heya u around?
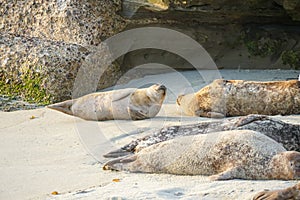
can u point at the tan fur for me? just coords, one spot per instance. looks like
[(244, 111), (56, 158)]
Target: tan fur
[(238, 98), (292, 193), (224, 155), (128, 103)]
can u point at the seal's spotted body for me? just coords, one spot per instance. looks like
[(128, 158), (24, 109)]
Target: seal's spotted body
[(284, 133), (242, 154), (237, 98)]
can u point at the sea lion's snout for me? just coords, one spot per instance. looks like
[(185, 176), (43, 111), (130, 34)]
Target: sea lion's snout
[(162, 87), (159, 87)]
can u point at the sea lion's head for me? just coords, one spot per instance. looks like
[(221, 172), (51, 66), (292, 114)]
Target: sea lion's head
[(286, 165), (146, 102), (187, 103), (157, 93)]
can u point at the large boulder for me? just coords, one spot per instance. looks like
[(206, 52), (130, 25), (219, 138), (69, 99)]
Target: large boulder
[(45, 71), (44, 43), (47, 46)]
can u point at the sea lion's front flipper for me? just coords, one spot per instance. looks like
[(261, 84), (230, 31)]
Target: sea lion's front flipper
[(270, 195), (287, 193), (216, 115), (64, 107), (117, 153), (249, 119), (119, 164), (122, 94), (137, 114), (230, 173)]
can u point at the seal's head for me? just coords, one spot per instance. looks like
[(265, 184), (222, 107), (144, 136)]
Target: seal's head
[(157, 92), (146, 102), (286, 165), (186, 102)]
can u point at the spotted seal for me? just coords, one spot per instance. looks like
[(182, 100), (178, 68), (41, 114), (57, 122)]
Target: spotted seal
[(287, 134), (241, 154), (292, 193), (130, 103), (238, 98)]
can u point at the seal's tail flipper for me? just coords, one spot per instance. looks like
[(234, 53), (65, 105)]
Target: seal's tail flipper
[(117, 153), (64, 107)]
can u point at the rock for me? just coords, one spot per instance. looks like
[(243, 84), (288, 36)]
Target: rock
[(53, 39), (293, 8), (48, 41), (87, 22), (52, 66)]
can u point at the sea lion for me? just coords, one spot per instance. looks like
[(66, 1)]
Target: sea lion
[(224, 98), (238, 154), (284, 133), (131, 103), (292, 193)]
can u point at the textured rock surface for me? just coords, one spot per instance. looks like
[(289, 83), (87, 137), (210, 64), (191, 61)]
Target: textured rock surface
[(56, 62), (52, 39), (84, 22)]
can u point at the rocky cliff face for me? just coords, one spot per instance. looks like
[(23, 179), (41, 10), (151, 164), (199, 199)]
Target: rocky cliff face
[(237, 34), (43, 44)]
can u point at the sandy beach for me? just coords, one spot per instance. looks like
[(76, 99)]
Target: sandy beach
[(45, 151)]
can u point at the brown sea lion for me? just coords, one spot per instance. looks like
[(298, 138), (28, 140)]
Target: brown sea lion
[(237, 98), (238, 154), (284, 133), (131, 103), (290, 193)]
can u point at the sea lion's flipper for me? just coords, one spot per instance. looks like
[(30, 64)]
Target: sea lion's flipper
[(137, 114), (119, 163), (266, 195), (249, 119), (122, 94), (64, 107), (216, 115), (287, 193), (230, 173), (117, 153)]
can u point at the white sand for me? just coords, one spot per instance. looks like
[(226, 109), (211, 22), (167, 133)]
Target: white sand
[(57, 152)]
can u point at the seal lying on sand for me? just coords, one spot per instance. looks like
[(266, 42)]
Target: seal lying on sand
[(284, 133), (128, 103), (237, 98), (292, 193), (241, 154)]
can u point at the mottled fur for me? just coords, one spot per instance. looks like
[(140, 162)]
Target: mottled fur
[(237, 98), (242, 154), (290, 193), (284, 133)]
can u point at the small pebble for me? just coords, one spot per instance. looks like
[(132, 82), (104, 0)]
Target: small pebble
[(116, 180), (54, 193)]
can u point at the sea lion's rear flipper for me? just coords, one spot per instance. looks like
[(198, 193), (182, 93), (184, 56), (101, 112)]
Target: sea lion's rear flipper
[(119, 163), (64, 107), (117, 153)]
